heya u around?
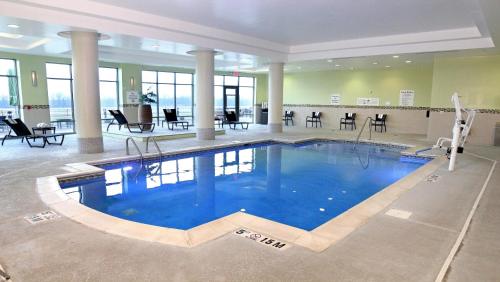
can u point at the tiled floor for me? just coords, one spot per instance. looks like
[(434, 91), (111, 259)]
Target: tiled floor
[(386, 248)]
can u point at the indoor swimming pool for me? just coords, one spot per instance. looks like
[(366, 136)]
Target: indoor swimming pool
[(302, 185)]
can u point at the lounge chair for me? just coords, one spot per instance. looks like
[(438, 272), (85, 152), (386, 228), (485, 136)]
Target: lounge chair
[(232, 119), (349, 119), (288, 117), (314, 119), (121, 120), (22, 132), (379, 121), (171, 119)]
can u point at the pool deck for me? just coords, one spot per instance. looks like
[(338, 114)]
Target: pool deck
[(385, 248)]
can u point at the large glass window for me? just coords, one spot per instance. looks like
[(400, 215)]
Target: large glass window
[(246, 87), (9, 90), (108, 89), (174, 90), (60, 90)]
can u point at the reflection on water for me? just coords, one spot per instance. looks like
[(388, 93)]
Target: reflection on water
[(303, 186)]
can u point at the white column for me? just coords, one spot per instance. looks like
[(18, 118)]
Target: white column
[(275, 100), (204, 94), (86, 91)]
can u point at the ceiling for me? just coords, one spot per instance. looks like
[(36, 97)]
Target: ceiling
[(307, 35), (293, 22)]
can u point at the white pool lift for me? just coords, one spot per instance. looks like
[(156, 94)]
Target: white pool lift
[(461, 129)]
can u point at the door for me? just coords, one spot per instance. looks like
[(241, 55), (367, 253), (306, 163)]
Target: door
[(232, 99)]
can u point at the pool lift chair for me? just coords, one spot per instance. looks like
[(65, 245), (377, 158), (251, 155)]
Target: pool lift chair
[(460, 132)]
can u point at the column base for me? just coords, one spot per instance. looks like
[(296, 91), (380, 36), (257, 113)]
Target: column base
[(90, 145), (205, 133), (275, 127)]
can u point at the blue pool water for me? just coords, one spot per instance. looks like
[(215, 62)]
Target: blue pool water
[(301, 185)]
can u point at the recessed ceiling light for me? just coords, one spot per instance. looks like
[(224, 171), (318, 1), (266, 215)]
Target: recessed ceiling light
[(13, 26), (408, 62), (375, 63), (330, 61), (387, 66), (395, 56), (155, 46), (10, 35), (337, 65), (299, 67)]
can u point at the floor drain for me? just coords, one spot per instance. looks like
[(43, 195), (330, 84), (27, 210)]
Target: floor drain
[(41, 217), (399, 213)]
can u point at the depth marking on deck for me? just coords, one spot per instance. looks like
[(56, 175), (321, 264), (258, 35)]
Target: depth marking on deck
[(398, 213), (41, 217), (262, 239)]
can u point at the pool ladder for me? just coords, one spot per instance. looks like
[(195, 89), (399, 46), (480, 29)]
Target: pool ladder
[(150, 138), (361, 131)]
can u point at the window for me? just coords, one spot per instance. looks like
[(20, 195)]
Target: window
[(108, 90), (9, 90), (174, 90), (60, 90), (246, 87)]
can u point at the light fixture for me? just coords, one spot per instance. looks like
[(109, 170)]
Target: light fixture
[(330, 61), (375, 63), (337, 65), (395, 56), (408, 62), (156, 46), (243, 210), (387, 66), (10, 35), (13, 26), (34, 79), (132, 82), (321, 209), (329, 199), (299, 67)]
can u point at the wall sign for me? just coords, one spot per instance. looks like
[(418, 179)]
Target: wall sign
[(262, 239), (368, 101), (335, 99), (406, 98), (132, 97)]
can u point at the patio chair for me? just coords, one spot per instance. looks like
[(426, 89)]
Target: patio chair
[(288, 116), (232, 119), (22, 132), (121, 120), (349, 119), (379, 121), (314, 119), (171, 119)]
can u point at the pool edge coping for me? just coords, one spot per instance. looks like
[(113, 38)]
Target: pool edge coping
[(316, 240)]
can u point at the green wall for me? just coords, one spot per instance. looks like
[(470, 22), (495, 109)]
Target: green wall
[(317, 87), (476, 79)]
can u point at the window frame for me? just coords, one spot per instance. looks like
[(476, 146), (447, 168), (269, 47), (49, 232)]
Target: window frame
[(157, 83), (70, 79), (16, 76)]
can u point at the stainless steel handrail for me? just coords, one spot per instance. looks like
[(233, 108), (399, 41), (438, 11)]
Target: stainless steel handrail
[(136, 147), (361, 131), (154, 143)]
